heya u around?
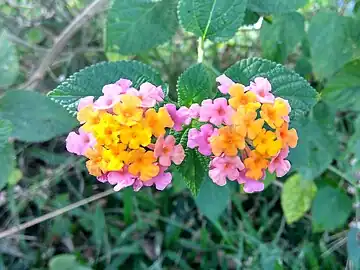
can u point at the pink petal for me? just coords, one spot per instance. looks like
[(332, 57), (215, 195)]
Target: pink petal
[(252, 186), (106, 102), (112, 90), (83, 102), (165, 160), (138, 184), (102, 178), (193, 138), (178, 154), (225, 83), (124, 84), (206, 110), (194, 111), (217, 176)]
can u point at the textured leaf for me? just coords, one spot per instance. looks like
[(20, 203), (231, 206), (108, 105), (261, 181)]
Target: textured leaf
[(353, 246), (9, 67), (331, 209), (275, 6), (335, 36), (280, 38), (98, 227), (66, 262), (196, 84), (7, 163), (285, 83), (90, 81), (5, 131), (343, 89), (296, 197), (318, 143), (135, 25), (213, 19), (212, 199), (303, 67), (250, 17), (34, 117)]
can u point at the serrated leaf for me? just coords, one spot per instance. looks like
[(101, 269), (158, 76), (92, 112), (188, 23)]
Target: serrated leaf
[(214, 20), (7, 163), (66, 262), (353, 246), (34, 117), (343, 89), (280, 38), (296, 197), (318, 142), (331, 209), (196, 84), (335, 36), (9, 67), (90, 81), (285, 83), (5, 131), (276, 6), (212, 199), (250, 18), (135, 26)]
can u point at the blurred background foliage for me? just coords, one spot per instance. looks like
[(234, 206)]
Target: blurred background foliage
[(311, 220)]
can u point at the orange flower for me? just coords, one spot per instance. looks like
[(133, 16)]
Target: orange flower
[(158, 121), (128, 111), (241, 99), (255, 164), (142, 164), (274, 114), (266, 143), (227, 141), (246, 123), (287, 136)]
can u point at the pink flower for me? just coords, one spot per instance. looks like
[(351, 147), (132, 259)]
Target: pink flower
[(216, 113), (201, 138), (262, 88), (148, 93), (225, 167), (86, 101), (161, 181), (138, 184), (124, 84), (120, 179), (279, 165), (79, 143), (225, 83), (180, 117), (106, 102), (250, 185), (167, 151), (103, 178), (194, 111)]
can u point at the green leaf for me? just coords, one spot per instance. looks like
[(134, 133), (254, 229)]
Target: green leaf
[(275, 6), (34, 117), (90, 81), (135, 25), (296, 197), (196, 84), (250, 17), (99, 227), (331, 209), (215, 19), (353, 246), (335, 36), (343, 89), (212, 199), (9, 67), (318, 143), (285, 83), (280, 38), (303, 67), (5, 131), (66, 262), (7, 163)]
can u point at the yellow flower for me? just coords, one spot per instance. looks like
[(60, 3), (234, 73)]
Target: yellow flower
[(240, 98), (142, 164), (128, 111), (158, 121), (135, 136), (255, 164), (245, 123), (89, 116), (274, 114), (94, 163), (227, 141), (266, 143), (107, 131)]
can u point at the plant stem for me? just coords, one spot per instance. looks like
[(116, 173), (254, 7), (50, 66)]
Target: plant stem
[(200, 50)]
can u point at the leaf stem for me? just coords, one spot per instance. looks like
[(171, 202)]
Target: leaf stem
[(200, 50), (348, 178)]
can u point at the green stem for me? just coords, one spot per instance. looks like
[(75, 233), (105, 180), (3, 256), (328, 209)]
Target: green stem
[(342, 175), (200, 50)]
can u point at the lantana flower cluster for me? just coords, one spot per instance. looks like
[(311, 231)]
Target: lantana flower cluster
[(125, 138), (246, 132)]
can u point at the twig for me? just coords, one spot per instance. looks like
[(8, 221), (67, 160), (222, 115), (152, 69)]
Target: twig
[(61, 41), (56, 213)]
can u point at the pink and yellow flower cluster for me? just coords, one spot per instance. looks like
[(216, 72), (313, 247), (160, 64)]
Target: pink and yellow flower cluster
[(125, 138), (244, 134)]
